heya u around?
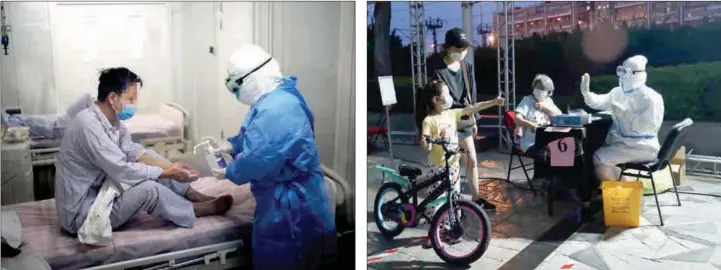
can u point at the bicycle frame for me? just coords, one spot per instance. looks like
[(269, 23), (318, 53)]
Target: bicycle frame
[(435, 197)]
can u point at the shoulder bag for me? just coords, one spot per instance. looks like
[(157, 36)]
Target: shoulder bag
[(466, 121)]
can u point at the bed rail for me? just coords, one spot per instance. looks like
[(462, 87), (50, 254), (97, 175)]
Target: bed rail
[(347, 191), (43, 156), (186, 120), (173, 145), (178, 107), (171, 260)]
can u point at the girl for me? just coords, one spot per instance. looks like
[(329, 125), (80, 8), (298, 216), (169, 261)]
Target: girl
[(435, 119)]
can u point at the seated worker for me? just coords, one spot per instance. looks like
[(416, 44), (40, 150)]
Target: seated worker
[(96, 148), (48, 126), (533, 111), (637, 112)]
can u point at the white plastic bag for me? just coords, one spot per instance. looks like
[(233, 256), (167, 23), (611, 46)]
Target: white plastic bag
[(96, 229), (661, 178)]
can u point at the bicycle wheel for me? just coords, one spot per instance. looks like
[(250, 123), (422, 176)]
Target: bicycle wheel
[(448, 242), (390, 228)]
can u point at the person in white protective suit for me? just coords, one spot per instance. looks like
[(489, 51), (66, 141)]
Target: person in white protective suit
[(637, 112)]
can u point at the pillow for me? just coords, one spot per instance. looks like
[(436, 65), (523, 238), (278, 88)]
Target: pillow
[(10, 230)]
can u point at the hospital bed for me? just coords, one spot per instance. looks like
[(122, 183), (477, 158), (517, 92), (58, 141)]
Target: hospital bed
[(165, 130), (215, 242)]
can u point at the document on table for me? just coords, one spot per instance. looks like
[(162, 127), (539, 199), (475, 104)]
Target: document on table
[(558, 129)]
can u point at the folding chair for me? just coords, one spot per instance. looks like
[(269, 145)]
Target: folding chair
[(510, 121), (670, 145), (378, 132)]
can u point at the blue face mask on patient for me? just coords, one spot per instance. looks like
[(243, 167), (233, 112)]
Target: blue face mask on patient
[(127, 112)]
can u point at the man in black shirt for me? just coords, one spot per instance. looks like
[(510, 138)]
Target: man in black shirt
[(458, 74)]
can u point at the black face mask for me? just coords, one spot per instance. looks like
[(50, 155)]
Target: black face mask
[(239, 81)]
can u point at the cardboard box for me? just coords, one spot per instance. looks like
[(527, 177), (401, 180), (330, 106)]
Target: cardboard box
[(679, 173), (680, 156), (678, 166)]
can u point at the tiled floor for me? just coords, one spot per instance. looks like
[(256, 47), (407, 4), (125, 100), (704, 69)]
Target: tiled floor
[(525, 237), (689, 239)]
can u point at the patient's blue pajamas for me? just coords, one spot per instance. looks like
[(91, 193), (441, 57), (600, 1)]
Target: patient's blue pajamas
[(94, 150), (157, 198)]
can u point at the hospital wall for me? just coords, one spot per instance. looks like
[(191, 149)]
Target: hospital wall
[(29, 65), (181, 50)]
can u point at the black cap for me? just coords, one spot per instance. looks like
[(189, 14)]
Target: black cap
[(456, 38)]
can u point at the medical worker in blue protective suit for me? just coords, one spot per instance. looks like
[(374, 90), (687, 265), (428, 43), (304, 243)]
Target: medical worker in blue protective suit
[(276, 153)]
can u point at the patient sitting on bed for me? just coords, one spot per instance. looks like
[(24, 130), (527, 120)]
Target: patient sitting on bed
[(96, 147)]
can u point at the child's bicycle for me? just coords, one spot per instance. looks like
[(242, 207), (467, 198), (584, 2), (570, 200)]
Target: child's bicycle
[(446, 224)]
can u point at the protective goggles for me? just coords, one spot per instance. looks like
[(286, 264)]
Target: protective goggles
[(624, 71), (239, 81)]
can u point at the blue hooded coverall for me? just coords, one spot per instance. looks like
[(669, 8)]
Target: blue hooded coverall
[(276, 152)]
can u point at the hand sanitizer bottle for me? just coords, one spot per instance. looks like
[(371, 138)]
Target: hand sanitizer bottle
[(215, 161), (221, 161)]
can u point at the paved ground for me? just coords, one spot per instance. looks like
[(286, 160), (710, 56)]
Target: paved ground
[(689, 239), (525, 237)]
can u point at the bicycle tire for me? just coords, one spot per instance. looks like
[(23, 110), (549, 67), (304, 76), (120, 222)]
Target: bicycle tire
[(388, 234), (474, 256)]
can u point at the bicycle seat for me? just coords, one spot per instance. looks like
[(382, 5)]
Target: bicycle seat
[(409, 171)]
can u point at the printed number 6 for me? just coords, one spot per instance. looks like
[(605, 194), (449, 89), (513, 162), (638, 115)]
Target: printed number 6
[(562, 146)]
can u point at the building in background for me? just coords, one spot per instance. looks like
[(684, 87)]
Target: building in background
[(551, 17)]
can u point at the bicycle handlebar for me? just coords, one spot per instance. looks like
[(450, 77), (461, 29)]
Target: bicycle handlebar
[(437, 141), (444, 143)]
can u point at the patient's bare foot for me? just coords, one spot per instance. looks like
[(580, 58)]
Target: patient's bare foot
[(214, 207), (195, 196)]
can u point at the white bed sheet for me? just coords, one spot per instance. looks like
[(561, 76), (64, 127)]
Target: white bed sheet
[(152, 126), (141, 127), (141, 236)]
